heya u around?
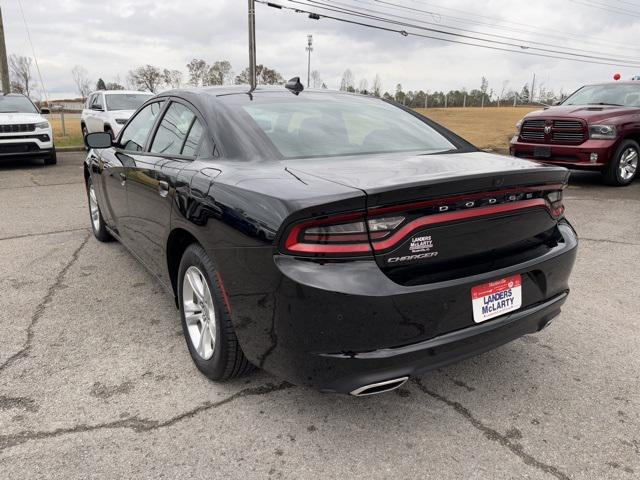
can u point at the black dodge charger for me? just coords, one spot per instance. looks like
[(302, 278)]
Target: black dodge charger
[(335, 240)]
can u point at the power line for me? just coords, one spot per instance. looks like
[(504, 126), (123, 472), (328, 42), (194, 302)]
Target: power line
[(518, 26), (403, 32), (504, 37), (33, 51), (466, 37), (607, 8)]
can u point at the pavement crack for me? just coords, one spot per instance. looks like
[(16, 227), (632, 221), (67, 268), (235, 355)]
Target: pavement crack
[(42, 307), (43, 234), (138, 425), (494, 435), (604, 240)]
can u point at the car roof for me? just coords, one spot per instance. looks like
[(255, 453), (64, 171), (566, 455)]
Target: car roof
[(223, 90), (620, 82), (122, 92)]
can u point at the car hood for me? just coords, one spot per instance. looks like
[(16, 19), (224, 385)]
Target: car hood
[(13, 118), (590, 113)]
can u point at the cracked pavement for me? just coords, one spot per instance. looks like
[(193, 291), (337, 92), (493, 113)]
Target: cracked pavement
[(96, 380)]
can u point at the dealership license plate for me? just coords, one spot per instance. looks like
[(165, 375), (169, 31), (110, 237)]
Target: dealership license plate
[(542, 152), (493, 299)]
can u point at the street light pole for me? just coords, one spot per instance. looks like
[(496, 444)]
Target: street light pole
[(252, 45), (4, 67), (309, 49)]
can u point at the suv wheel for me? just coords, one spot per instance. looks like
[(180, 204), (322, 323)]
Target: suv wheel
[(624, 165), (206, 322), (85, 132), (51, 159)]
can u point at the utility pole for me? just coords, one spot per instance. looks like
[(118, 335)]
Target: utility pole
[(533, 87), (4, 66), (252, 45), (309, 49)]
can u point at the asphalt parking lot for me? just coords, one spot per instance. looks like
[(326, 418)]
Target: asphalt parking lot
[(96, 380)]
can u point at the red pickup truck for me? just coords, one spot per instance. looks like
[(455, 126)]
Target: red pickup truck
[(596, 128)]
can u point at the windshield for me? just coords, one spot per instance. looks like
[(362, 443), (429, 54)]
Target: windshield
[(126, 101), (17, 104), (333, 125), (621, 94)]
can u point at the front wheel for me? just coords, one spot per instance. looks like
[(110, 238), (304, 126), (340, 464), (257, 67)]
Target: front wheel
[(624, 164), (85, 132), (52, 159), (206, 322), (97, 222)]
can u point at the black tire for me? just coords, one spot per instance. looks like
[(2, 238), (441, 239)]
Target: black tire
[(51, 159), (228, 360), (612, 174), (85, 132), (100, 231)]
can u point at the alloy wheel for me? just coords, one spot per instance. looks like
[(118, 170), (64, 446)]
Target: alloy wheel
[(199, 312), (628, 164), (93, 206)]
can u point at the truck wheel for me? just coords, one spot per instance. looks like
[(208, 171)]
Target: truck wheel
[(624, 165), (51, 159), (206, 320)]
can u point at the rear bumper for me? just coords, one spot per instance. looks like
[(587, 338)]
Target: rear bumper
[(339, 326), (570, 156)]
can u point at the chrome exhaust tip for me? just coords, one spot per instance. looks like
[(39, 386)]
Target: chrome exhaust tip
[(380, 387)]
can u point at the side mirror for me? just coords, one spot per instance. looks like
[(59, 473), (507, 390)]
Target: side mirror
[(97, 107), (99, 140), (45, 111)]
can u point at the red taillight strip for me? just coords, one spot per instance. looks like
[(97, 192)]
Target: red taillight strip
[(473, 196), (292, 243), (455, 216)]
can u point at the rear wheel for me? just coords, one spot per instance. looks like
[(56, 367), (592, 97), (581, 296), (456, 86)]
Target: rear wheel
[(206, 321), (85, 132), (97, 222), (624, 165)]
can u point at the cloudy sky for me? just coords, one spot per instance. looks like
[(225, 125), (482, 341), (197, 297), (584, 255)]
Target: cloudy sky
[(111, 37)]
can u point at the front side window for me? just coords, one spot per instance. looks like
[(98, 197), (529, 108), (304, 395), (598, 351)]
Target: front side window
[(324, 125), (97, 101), (16, 104), (125, 101), (623, 95), (134, 137), (174, 133)]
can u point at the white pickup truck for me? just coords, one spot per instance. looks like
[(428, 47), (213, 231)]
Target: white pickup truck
[(109, 110)]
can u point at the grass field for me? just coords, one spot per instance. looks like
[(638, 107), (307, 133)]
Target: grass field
[(488, 128)]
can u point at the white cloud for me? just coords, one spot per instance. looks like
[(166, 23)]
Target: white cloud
[(110, 38)]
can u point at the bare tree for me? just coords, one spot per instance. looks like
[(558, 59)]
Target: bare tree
[(81, 79), (147, 77), (264, 75), (316, 80), (220, 73), (198, 72), (21, 78), (363, 87), (346, 84), (376, 86), (172, 78)]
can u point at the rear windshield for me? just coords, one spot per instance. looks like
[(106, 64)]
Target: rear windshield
[(333, 125), (126, 101), (621, 94)]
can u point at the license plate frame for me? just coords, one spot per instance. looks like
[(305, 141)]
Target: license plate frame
[(496, 298), (542, 152)]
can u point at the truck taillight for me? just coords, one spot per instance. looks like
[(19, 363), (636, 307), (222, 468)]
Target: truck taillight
[(555, 203)]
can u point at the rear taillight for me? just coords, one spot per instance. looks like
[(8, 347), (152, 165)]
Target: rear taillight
[(344, 235), (355, 234), (555, 203)]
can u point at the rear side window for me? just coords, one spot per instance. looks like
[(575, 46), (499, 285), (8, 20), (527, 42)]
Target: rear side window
[(174, 135), (134, 137)]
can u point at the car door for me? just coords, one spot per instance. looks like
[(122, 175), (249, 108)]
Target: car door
[(114, 162), (152, 180), (94, 121)]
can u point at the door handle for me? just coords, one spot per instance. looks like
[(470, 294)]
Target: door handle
[(123, 178), (163, 188)]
